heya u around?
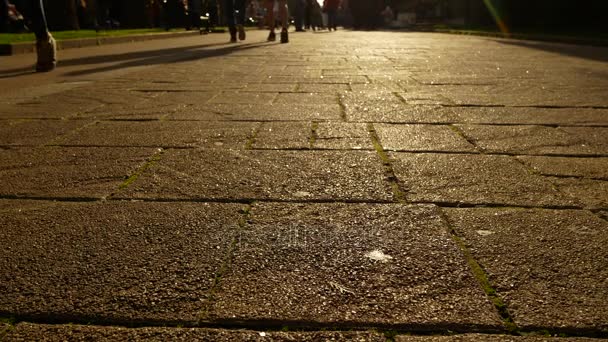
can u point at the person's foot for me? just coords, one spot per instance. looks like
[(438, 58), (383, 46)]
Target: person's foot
[(241, 30), (47, 54), (232, 34), (284, 36), (272, 36)]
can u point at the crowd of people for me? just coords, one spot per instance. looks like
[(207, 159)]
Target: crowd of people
[(366, 14)]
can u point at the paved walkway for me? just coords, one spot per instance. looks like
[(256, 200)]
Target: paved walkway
[(352, 185)]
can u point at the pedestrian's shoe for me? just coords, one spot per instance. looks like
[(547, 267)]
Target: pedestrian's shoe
[(284, 36), (232, 34), (241, 30), (272, 36), (47, 54)]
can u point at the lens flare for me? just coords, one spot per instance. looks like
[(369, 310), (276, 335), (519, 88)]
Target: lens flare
[(497, 17)]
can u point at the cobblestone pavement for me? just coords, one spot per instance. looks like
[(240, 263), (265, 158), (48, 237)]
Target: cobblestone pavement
[(352, 185)]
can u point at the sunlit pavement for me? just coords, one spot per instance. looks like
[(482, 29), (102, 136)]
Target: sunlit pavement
[(347, 185)]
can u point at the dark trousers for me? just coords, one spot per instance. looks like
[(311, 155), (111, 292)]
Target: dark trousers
[(33, 10), (234, 11), (332, 15)]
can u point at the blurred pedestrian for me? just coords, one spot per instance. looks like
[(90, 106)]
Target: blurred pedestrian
[(308, 14), (234, 11), (331, 8), (300, 12), (270, 20), (46, 48)]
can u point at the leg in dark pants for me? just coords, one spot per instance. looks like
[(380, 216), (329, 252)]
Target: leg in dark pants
[(235, 17), (3, 15), (38, 19), (45, 44)]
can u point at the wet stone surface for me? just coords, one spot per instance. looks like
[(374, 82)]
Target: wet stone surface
[(353, 265), (113, 261), (570, 167), (533, 140), (283, 135), (592, 194), (163, 134), (31, 332), (531, 115), (249, 112), (36, 132), (342, 136), (490, 338), (548, 266), (68, 172), (473, 179), (278, 175), (405, 114), (422, 138)]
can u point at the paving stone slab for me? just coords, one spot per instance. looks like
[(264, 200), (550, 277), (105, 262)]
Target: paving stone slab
[(428, 97), (307, 98), (112, 261), (136, 112), (350, 265), (549, 266), (473, 179), (37, 332), (568, 166), (68, 172), (593, 194), (530, 140), (405, 114), (323, 88), (491, 338), (36, 132), (279, 175), (342, 136), (163, 134), (232, 97), (438, 138), (283, 135), (56, 106), (247, 112), (531, 116), (184, 97), (4, 329), (596, 137), (370, 103), (525, 94), (343, 79)]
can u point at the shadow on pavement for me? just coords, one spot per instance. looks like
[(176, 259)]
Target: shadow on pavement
[(140, 58), (581, 51)]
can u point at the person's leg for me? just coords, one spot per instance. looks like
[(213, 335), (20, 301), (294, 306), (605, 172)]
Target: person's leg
[(299, 15), (46, 48), (240, 17), (331, 19), (229, 14), (284, 15), (3, 15), (270, 20)]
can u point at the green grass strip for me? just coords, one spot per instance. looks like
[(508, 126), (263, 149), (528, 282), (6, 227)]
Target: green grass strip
[(11, 38)]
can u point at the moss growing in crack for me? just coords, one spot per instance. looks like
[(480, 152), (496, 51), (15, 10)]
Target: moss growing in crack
[(313, 134), (390, 335), (226, 264), (398, 192), (342, 109), (253, 137), (155, 158), (482, 278)]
